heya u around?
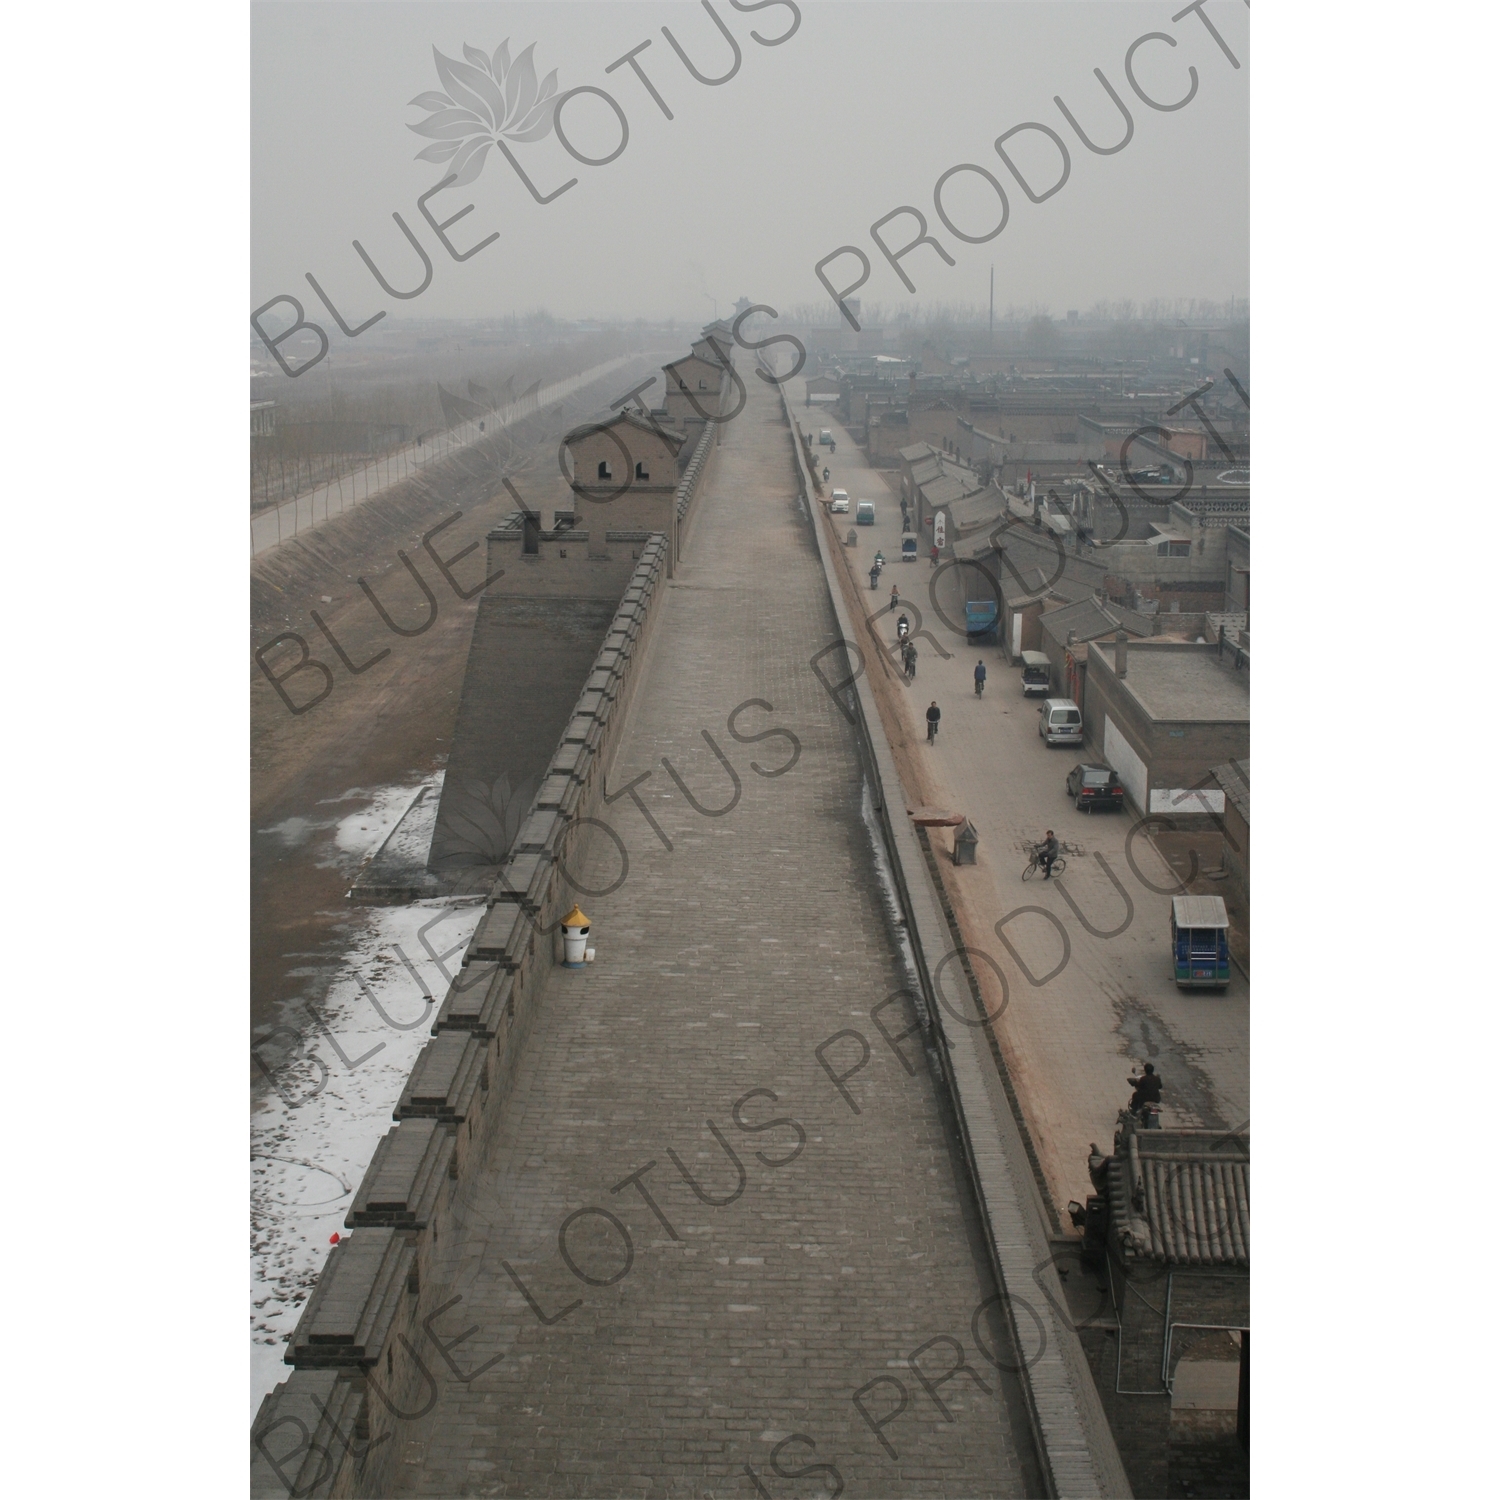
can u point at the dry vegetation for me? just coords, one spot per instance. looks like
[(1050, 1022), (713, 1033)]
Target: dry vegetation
[(363, 404)]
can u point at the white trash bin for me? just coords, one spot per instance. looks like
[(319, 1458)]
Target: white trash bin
[(575, 930)]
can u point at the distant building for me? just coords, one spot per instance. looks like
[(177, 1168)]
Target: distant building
[(1165, 714), (625, 489), (1065, 634), (262, 419)]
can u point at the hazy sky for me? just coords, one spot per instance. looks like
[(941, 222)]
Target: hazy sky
[(758, 178)]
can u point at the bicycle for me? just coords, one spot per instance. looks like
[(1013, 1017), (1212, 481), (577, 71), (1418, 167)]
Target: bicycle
[(1058, 865)]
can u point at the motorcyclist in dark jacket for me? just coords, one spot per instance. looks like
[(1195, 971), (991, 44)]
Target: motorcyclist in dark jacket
[(1147, 1088)]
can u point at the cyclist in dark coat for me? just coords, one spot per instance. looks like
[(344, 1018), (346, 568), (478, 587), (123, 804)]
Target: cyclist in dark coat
[(1047, 853)]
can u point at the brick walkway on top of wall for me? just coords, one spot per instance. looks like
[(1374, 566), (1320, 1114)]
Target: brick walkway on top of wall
[(723, 965)]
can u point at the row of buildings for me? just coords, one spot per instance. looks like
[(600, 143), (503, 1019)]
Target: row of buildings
[(1113, 528)]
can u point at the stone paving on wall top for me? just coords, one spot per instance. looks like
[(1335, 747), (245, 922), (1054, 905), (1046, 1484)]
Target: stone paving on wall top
[(762, 1206)]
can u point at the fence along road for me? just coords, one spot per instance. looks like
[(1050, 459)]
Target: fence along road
[(279, 523), (725, 964)]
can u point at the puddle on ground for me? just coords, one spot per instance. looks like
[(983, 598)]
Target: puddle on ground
[(1187, 1091)]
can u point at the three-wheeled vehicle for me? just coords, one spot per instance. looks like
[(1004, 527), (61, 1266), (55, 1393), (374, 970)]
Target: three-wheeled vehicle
[(1200, 942), (825, 438), (908, 548), (1036, 673)]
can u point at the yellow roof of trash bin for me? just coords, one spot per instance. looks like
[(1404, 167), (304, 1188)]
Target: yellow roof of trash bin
[(575, 918)]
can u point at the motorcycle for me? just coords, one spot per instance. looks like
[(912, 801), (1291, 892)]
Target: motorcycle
[(1147, 1112), (875, 576), (903, 628)]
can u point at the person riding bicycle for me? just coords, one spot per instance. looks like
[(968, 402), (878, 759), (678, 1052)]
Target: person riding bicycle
[(909, 659), (895, 598), (1046, 853), (980, 673), (934, 713), (1147, 1089)]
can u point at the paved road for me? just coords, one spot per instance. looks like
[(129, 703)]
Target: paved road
[(751, 1307), (269, 528), (1071, 1041)]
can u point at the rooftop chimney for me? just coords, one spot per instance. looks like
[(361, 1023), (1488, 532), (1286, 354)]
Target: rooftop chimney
[(1121, 643)]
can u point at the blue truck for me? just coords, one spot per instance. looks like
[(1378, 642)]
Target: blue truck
[(980, 618)]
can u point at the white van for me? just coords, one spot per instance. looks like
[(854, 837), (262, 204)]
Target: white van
[(840, 506), (1059, 722)]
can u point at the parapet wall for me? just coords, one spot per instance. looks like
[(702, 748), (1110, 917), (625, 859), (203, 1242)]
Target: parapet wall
[(362, 1356), (692, 480)]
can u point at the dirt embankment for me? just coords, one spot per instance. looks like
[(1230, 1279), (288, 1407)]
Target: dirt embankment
[(388, 720)]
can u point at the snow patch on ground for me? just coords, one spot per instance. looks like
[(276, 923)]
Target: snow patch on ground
[(362, 833), (315, 1130)]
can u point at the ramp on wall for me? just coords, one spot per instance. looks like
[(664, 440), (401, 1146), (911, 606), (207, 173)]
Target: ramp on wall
[(528, 661)]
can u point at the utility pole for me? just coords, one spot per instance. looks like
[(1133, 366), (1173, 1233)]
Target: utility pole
[(992, 306)]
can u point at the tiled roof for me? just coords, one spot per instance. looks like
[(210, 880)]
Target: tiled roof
[(1234, 777), (1181, 1197), (1087, 619)]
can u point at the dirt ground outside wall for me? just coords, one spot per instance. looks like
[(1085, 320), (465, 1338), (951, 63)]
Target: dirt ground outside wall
[(388, 720)]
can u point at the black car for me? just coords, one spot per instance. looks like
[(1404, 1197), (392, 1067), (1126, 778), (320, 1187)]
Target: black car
[(1095, 786)]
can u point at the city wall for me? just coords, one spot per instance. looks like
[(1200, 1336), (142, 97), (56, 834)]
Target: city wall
[(364, 1348)]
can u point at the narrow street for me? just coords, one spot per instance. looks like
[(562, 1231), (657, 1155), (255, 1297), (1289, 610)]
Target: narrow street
[(1078, 972)]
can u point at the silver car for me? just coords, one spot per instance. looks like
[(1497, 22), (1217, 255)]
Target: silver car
[(1059, 722)]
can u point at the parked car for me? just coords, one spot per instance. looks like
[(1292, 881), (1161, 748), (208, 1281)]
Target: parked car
[(840, 506), (1092, 787), (1059, 722)]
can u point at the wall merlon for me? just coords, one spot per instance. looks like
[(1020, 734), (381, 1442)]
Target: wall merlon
[(478, 1001), (446, 1079), (348, 1319), (408, 1170)]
